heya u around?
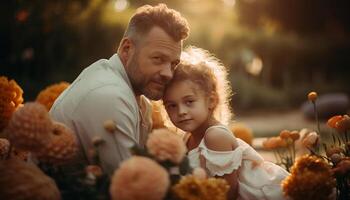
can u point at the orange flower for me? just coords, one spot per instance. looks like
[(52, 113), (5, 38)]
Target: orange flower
[(242, 132), (163, 144), (110, 126), (22, 180), (295, 135), (30, 127), (48, 96), (61, 148), (139, 178), (343, 124), (342, 167), (4, 148), (312, 96), (94, 169), (310, 178), (10, 99), (333, 120), (285, 134)]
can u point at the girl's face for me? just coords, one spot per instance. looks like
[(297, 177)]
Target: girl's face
[(187, 105)]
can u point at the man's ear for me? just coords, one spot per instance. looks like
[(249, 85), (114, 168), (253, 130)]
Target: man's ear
[(213, 100), (125, 50)]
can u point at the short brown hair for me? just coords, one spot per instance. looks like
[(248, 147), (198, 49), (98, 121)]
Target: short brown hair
[(160, 15)]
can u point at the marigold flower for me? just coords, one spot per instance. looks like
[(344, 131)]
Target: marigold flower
[(312, 96), (166, 145), (295, 135), (242, 132), (30, 127), (199, 173), (110, 126), (310, 140), (285, 134), (139, 178), (94, 169), (21, 180), (193, 188), (61, 148), (10, 99), (343, 124), (334, 150), (19, 154), (281, 143), (333, 120), (335, 158), (310, 178), (4, 148), (48, 96), (342, 167)]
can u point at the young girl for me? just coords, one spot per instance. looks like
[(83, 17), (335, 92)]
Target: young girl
[(196, 101)]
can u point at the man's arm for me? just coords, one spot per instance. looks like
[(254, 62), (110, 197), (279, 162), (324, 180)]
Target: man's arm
[(108, 103)]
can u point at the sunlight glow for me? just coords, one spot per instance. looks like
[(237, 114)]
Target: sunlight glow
[(255, 66), (121, 5), (230, 3)]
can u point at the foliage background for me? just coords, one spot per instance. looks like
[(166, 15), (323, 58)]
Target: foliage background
[(276, 51)]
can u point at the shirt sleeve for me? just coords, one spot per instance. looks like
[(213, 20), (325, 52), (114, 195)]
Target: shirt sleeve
[(108, 103)]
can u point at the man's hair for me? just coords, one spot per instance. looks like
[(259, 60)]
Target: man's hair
[(146, 17)]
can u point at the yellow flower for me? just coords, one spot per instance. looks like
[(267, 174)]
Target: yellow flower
[(312, 96), (193, 188), (48, 96)]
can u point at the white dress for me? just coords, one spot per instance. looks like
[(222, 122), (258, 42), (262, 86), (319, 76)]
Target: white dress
[(259, 182)]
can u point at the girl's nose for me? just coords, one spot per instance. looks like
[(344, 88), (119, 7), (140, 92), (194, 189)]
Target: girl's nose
[(182, 110)]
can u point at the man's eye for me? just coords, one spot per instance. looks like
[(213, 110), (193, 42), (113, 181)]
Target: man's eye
[(157, 59), (170, 106)]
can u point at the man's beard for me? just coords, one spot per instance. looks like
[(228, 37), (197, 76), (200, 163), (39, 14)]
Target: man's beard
[(139, 82)]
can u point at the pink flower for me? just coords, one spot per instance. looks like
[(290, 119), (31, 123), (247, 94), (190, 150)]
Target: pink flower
[(139, 178), (166, 145)]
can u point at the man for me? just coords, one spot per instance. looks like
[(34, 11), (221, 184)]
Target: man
[(113, 89)]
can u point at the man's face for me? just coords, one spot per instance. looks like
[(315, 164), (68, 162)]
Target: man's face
[(152, 64)]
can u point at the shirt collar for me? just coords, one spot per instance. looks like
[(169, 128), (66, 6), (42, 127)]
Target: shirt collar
[(118, 67)]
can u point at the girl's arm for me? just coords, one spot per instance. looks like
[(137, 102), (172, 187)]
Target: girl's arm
[(219, 141)]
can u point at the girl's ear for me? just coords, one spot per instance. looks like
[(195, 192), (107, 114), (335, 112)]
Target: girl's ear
[(213, 100)]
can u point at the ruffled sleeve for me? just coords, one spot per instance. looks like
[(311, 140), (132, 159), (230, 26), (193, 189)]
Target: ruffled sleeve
[(219, 163)]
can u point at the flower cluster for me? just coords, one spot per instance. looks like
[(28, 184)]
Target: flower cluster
[(48, 96), (311, 178), (191, 187), (21, 180), (31, 129), (283, 147), (10, 99)]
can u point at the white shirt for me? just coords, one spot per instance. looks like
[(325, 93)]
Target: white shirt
[(103, 92)]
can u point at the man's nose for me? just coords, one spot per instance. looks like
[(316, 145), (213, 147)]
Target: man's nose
[(166, 73)]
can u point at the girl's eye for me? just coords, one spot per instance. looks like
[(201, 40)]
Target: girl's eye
[(189, 102)]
